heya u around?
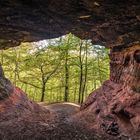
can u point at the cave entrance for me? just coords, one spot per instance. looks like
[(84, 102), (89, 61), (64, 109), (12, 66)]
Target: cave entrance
[(64, 69)]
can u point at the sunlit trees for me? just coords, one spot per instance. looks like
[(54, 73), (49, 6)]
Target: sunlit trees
[(63, 69)]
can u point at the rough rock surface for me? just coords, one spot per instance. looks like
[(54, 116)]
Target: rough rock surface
[(21, 119), (107, 22), (111, 111)]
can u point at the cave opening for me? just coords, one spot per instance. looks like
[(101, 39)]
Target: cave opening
[(110, 111), (64, 69)]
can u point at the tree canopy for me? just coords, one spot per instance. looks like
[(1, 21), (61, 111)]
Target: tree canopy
[(62, 69)]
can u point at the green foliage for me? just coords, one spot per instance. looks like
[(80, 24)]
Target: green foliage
[(30, 65)]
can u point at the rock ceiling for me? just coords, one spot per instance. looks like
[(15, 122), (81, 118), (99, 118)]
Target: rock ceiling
[(113, 23)]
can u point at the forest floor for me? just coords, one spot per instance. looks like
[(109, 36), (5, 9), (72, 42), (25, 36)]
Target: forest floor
[(67, 129), (63, 127), (63, 110)]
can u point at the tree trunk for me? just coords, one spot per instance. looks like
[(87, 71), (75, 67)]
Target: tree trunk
[(43, 91), (80, 84), (99, 71), (66, 78), (85, 73), (81, 74)]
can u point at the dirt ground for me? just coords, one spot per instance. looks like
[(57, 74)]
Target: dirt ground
[(22, 119)]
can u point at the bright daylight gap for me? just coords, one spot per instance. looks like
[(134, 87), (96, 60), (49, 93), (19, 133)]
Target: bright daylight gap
[(64, 69)]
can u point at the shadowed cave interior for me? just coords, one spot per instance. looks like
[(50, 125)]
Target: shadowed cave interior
[(110, 112)]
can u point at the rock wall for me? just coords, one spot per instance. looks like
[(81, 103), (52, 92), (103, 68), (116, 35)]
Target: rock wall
[(115, 106), (111, 110), (114, 24)]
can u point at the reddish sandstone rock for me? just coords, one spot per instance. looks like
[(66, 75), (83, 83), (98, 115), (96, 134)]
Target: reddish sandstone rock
[(111, 110), (115, 107)]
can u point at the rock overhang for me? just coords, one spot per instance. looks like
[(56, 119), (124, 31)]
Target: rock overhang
[(114, 24)]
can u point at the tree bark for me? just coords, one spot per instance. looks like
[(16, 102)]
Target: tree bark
[(43, 91), (81, 73), (66, 96), (85, 73)]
